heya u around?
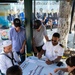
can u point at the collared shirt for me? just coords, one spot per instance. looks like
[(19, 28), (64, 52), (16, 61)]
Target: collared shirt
[(17, 38), (52, 52), (5, 62), (38, 36)]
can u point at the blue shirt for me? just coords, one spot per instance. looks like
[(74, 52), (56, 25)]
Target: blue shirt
[(17, 38), (22, 16)]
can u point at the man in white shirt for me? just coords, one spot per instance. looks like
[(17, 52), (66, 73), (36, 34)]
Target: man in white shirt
[(53, 49), (7, 57)]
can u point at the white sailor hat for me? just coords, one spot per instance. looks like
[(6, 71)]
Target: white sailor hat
[(6, 43)]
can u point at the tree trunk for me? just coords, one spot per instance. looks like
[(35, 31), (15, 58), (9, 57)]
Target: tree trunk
[(64, 21)]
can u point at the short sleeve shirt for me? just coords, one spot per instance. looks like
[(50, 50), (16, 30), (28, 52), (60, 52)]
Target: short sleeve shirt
[(52, 52), (38, 36), (17, 38)]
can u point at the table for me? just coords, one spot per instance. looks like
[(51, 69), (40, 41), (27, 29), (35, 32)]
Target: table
[(34, 66)]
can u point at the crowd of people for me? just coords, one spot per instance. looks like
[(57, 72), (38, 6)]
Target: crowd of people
[(50, 19), (18, 14), (13, 53)]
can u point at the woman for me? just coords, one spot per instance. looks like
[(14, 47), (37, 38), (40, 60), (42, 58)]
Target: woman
[(70, 66)]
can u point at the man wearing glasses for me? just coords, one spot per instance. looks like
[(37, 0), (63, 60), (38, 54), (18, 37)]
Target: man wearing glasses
[(53, 50)]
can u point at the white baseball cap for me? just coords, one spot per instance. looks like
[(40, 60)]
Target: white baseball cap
[(6, 43)]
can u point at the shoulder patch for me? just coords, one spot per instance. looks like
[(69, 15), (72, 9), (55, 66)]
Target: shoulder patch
[(61, 45)]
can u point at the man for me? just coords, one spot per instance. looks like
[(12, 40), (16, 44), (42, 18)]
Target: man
[(22, 17), (53, 50), (7, 57), (14, 70), (38, 33), (17, 36)]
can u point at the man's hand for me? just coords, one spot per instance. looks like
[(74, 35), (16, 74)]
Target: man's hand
[(62, 69), (39, 55), (22, 50), (48, 62)]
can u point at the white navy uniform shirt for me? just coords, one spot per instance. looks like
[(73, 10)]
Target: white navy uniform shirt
[(5, 62), (52, 52)]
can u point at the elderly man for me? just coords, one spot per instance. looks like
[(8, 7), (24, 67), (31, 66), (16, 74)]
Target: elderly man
[(53, 50), (7, 57)]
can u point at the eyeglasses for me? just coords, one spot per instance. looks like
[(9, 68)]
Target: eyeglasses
[(54, 40)]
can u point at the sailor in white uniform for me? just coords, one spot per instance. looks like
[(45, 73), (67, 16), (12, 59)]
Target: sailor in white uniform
[(53, 50), (7, 57)]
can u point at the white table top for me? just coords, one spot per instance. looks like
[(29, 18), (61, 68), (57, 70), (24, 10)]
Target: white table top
[(33, 66)]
